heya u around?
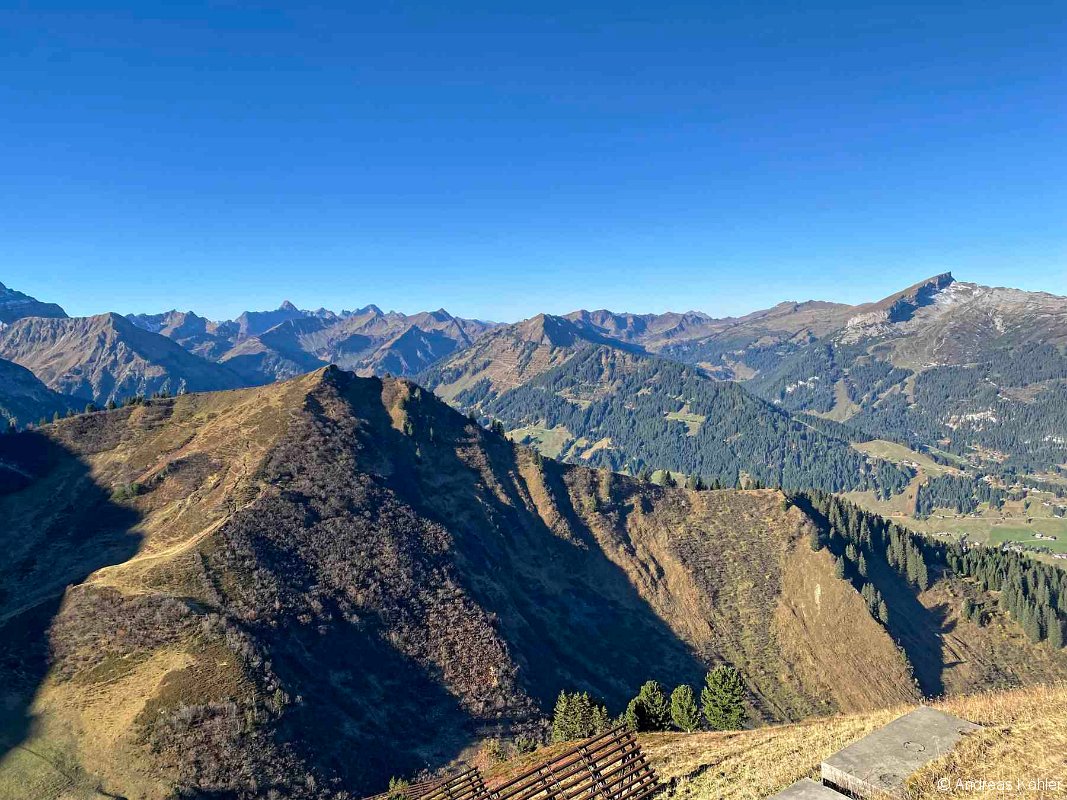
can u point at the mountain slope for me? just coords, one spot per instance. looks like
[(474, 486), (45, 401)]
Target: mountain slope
[(25, 399), (16, 305), (589, 399), (264, 582), (199, 336), (107, 357), (976, 371)]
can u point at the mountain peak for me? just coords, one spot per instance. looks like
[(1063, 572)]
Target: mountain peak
[(901, 306), (547, 329), (16, 305), (287, 306)]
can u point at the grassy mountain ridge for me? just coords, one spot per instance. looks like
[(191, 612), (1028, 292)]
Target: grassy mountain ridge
[(263, 582)]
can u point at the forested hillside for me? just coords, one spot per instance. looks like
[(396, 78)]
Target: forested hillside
[(634, 412)]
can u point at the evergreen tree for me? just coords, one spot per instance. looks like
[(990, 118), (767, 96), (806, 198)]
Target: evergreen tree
[(1057, 636), (650, 710), (684, 711), (968, 609), (722, 699), (815, 540), (577, 716), (839, 568), (883, 612), (601, 720), (561, 718)]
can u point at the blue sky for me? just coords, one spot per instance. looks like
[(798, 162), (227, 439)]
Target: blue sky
[(500, 159)]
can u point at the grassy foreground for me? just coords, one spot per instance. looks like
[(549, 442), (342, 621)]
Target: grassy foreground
[(1025, 739)]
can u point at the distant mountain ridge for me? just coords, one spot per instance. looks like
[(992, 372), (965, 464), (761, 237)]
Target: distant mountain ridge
[(16, 305), (263, 346), (562, 386), (978, 372), (106, 357)]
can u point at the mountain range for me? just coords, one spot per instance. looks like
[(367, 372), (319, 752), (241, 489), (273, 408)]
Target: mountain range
[(264, 346), (304, 588), (969, 375)]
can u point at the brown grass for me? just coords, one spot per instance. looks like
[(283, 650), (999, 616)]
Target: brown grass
[(1024, 740)]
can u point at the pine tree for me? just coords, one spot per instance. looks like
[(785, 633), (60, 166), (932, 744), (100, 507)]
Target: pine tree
[(601, 720), (883, 612), (722, 699), (684, 711), (561, 718), (577, 716), (650, 710), (839, 568), (815, 540), (1057, 636), (862, 566), (968, 610)]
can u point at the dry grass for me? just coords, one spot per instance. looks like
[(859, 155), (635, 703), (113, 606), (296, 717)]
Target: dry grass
[(1024, 740), (748, 765)]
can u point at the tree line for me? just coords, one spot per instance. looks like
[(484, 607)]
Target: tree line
[(1033, 593), (721, 707)]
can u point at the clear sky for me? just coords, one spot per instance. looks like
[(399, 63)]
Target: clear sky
[(500, 159)]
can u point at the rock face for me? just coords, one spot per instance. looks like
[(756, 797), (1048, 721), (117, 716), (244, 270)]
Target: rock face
[(16, 305), (106, 357), (901, 307)]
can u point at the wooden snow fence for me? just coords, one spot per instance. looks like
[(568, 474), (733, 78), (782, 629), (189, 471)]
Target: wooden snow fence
[(610, 766)]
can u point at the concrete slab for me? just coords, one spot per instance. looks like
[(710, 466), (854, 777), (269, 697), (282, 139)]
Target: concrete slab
[(879, 763), (807, 789)]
